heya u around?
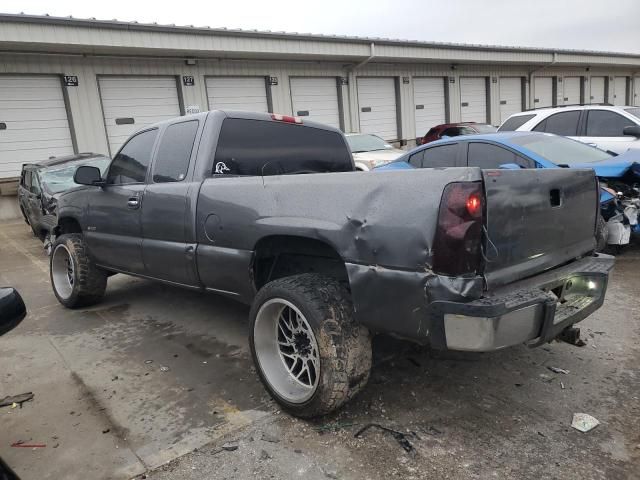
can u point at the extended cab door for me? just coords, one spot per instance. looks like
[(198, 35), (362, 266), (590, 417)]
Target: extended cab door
[(169, 243), (113, 229)]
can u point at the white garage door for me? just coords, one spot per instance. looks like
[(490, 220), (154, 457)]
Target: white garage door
[(473, 99), (571, 89), (510, 97), (132, 103), (377, 104), (316, 99), (429, 98), (33, 122), (620, 91), (543, 92), (237, 93), (636, 95), (597, 90)]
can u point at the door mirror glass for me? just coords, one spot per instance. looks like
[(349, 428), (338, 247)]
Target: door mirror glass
[(12, 309), (632, 131), (87, 175)]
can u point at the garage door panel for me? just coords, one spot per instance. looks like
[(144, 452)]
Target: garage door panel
[(35, 115), (237, 93), (571, 90), (543, 92), (429, 93), (620, 91), (145, 99), (378, 95), (510, 97), (597, 88), (473, 99)]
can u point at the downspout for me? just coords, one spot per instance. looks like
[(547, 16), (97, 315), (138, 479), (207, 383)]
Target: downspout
[(353, 94), (531, 92)]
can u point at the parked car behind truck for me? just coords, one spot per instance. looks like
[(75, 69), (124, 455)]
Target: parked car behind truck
[(457, 258)]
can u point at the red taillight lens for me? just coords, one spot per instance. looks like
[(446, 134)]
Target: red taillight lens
[(286, 118), (458, 241)]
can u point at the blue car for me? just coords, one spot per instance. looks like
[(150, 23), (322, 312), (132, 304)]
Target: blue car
[(619, 175)]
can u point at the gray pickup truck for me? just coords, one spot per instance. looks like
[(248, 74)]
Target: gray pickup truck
[(268, 210)]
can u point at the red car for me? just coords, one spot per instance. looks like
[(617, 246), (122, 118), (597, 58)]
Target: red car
[(454, 130)]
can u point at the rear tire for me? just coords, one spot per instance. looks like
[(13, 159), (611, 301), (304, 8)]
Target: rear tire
[(306, 321), (76, 280)]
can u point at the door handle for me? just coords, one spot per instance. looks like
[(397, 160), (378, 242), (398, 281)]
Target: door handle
[(592, 144), (133, 202)]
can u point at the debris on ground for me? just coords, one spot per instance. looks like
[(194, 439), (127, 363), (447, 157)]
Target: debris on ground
[(230, 446), (571, 335), (562, 385), (400, 437), (16, 400), (264, 455), (332, 427), (584, 422), (267, 437), (164, 369), (148, 362), (559, 370), (22, 444)]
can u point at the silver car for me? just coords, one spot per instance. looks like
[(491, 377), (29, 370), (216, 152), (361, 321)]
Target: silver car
[(370, 151)]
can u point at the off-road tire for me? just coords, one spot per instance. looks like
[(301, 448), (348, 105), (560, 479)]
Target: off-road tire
[(344, 345), (601, 234), (90, 281)]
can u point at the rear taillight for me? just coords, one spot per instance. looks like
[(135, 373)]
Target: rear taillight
[(286, 118), (457, 245)]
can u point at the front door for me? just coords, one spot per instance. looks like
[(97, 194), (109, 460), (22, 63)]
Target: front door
[(168, 211), (114, 232)]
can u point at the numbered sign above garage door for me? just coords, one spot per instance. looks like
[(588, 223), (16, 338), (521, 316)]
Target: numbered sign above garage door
[(248, 94), (429, 99), (377, 107), (316, 99), (510, 96), (33, 122), (132, 103), (473, 99)]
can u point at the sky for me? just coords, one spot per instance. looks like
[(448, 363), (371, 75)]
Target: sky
[(575, 24)]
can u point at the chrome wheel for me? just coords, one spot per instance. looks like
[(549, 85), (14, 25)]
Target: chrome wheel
[(287, 350), (62, 271)]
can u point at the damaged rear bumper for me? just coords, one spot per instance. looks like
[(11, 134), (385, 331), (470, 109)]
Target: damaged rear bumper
[(532, 311)]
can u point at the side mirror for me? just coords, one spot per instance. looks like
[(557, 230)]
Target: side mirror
[(12, 309), (510, 166), (632, 131), (87, 175)]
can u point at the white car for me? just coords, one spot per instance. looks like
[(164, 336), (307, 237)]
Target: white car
[(370, 151), (612, 128)]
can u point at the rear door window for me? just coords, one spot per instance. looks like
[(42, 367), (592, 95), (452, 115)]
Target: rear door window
[(514, 123), (172, 160), (441, 156), (486, 155), (416, 159), (603, 123), (132, 161), (565, 124), (258, 147)]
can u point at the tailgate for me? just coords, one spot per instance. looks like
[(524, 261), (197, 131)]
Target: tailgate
[(536, 220)]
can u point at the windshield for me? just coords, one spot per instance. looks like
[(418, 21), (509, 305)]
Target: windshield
[(634, 111), (561, 150), (480, 128), (60, 177), (366, 143)]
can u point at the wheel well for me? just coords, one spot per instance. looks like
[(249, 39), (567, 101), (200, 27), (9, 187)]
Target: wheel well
[(282, 256), (68, 225)]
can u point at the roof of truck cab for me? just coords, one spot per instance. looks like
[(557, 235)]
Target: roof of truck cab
[(50, 162)]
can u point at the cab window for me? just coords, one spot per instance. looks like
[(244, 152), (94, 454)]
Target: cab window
[(132, 161), (564, 123)]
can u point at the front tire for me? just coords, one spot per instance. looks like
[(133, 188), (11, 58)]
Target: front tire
[(309, 352), (76, 280)]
